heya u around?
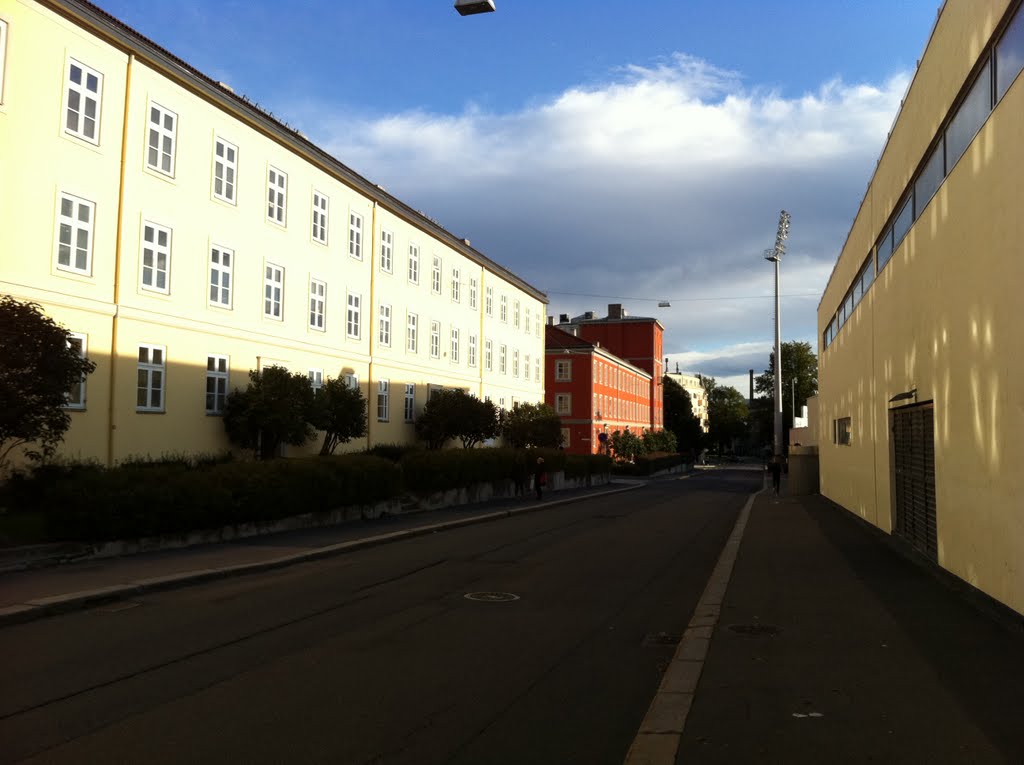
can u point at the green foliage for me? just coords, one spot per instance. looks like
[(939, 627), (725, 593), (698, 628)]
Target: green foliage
[(393, 452), (532, 425), (38, 369), (586, 465), (728, 416), (799, 364), (274, 409), (659, 441), (649, 464), (626, 445), (339, 411), (451, 414), (679, 417)]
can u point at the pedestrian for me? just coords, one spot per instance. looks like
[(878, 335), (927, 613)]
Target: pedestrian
[(540, 478), (776, 473)]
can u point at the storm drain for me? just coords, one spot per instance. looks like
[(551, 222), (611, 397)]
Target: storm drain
[(755, 630), (491, 597), (656, 639)]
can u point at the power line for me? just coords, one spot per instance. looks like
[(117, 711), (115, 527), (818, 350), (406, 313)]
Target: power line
[(682, 300)]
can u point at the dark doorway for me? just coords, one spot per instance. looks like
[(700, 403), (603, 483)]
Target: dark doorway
[(913, 439)]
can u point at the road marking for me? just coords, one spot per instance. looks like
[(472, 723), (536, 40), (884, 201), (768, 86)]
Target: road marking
[(657, 740)]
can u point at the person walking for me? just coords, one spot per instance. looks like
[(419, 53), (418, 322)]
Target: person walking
[(776, 468), (540, 478)]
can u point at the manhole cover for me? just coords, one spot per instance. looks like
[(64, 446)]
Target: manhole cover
[(491, 597), (755, 630), (661, 638)]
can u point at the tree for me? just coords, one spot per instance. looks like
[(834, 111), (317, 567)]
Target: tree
[(453, 414), (679, 417), (660, 441), (799, 363), (480, 422), (627, 445), (535, 425), (274, 409), (339, 410), (728, 416), (39, 368)]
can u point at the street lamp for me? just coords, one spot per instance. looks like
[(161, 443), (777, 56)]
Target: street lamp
[(775, 255)]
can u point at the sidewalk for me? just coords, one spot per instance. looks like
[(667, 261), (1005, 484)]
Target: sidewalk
[(36, 593), (833, 647)]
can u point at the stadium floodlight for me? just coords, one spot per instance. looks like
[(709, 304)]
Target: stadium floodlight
[(469, 7)]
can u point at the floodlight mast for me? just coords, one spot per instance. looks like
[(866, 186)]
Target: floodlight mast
[(775, 255), (470, 7)]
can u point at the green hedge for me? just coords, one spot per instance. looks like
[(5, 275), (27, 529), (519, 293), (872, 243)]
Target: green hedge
[(586, 465), (648, 464)]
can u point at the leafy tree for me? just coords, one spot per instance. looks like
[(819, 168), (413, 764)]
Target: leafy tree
[(535, 425), (799, 363), (679, 417), (728, 416), (659, 441), (627, 445), (274, 409), (480, 422), (38, 369), (453, 414), (339, 410)]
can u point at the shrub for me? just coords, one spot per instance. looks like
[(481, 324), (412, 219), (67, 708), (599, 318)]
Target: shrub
[(586, 465)]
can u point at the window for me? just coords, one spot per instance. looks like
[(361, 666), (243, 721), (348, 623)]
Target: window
[(225, 168), (435, 276), (435, 339), (317, 304), (928, 182), (411, 328), (904, 220), (78, 343), (503, 309), (221, 260), (352, 327), (163, 130), (350, 381), (515, 314), (488, 355), (884, 248), (410, 402), (414, 264), (489, 301), (455, 346), (536, 370), (273, 288), (216, 384), (156, 258), (277, 192), (526, 367), (527, 325), (472, 351), (841, 431), (563, 403), (1009, 55), (320, 203), (355, 235), (383, 400), (456, 286), (150, 389), (565, 438), (316, 379), (563, 370), (82, 107), (502, 356), (3, 56), (969, 117), (384, 328), (387, 241), (74, 237), (472, 293)]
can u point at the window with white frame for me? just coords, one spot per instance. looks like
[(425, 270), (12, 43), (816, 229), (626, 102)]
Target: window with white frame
[(455, 346), (414, 264), (353, 318), (387, 243), (488, 355), (75, 398), (316, 379), (489, 301), (563, 370), (384, 325), (536, 327), (317, 304), (565, 437), (515, 314), (536, 370), (320, 203), (412, 326), (277, 195), (156, 258), (435, 339), (74, 234), (225, 170), (502, 357), (221, 263), (435, 276), (503, 309), (350, 381), (216, 383), (383, 400), (410, 402), (273, 291), (82, 102), (527, 326), (471, 352), (163, 133), (526, 367), (456, 285), (355, 235), (515, 362), (472, 292), (150, 386), (3, 56)]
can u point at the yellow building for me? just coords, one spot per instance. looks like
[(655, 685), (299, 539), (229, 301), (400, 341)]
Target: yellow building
[(698, 396), (921, 426), (186, 237)]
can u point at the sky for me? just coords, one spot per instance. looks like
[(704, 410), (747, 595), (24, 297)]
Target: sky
[(606, 151)]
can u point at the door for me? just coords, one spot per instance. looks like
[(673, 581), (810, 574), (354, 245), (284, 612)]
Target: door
[(913, 437)]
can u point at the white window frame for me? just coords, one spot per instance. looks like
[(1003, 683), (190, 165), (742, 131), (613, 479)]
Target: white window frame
[(384, 325), (527, 327), (84, 97), (273, 292), (383, 401), (435, 339), (536, 370), (489, 301), (515, 362), (502, 359), (318, 305), (156, 250), (387, 250), (354, 315), (221, 276), (413, 270), (435, 275), (471, 352), (455, 344), (316, 378), (566, 432), (412, 326), (526, 367), (351, 381), (151, 369), (563, 370), (75, 228), (77, 404), (456, 285), (488, 355), (503, 309), (409, 410), (277, 196), (225, 171), (220, 377), (515, 314), (355, 235), (163, 136), (321, 211), (472, 292)]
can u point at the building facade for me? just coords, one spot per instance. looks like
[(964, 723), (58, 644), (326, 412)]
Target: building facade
[(593, 391), (186, 237), (698, 396), (921, 428)]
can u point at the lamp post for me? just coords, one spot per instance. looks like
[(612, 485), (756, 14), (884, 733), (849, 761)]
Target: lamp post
[(775, 255)]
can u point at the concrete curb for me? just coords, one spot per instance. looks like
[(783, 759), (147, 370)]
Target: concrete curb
[(73, 601)]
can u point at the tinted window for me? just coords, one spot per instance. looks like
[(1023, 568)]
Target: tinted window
[(928, 182), (903, 221), (868, 275), (1010, 54), (969, 117), (884, 249)]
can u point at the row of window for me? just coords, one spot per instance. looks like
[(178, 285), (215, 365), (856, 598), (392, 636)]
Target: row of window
[(616, 377), (1000, 66), (605, 407)]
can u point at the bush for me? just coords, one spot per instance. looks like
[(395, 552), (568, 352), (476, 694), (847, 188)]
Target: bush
[(393, 452), (648, 464), (586, 465)]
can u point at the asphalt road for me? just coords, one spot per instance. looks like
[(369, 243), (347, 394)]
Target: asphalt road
[(378, 656)]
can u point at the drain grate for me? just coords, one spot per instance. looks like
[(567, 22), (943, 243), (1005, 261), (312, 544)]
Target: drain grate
[(755, 630), (491, 597), (656, 639)]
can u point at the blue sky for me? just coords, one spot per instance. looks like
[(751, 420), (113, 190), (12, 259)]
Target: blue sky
[(634, 149)]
